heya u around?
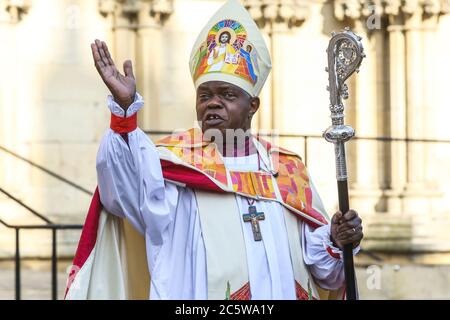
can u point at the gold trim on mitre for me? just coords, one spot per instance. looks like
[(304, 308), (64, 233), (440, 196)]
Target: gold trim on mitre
[(231, 48)]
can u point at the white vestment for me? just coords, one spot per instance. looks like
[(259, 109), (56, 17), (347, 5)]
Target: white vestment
[(131, 185)]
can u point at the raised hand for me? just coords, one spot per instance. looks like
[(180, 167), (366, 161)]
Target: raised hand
[(122, 87)]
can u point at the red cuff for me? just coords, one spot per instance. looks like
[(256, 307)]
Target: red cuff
[(334, 255), (123, 125)]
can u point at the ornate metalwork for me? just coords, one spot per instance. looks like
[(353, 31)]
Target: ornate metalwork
[(345, 54)]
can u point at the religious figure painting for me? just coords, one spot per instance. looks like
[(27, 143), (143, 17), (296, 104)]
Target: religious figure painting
[(227, 50)]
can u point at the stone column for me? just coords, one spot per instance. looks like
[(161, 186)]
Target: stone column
[(414, 99), (368, 96), (396, 156), (11, 14), (423, 197), (148, 64), (122, 40), (124, 30), (136, 26), (430, 82), (417, 196), (108, 8), (279, 41), (7, 95)]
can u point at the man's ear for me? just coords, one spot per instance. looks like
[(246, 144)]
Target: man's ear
[(254, 105)]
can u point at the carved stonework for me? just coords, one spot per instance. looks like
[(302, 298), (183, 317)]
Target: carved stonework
[(445, 6), (130, 7), (290, 12), (391, 8), (15, 9), (347, 9), (355, 9), (159, 9), (107, 7)]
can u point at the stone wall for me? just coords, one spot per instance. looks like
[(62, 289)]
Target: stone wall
[(52, 111), (52, 103)]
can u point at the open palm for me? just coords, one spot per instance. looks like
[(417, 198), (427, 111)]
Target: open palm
[(122, 87)]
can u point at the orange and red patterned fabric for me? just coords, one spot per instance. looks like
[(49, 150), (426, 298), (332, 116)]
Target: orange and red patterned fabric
[(201, 166)]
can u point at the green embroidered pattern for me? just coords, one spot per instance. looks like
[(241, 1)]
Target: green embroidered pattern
[(228, 291), (309, 291)]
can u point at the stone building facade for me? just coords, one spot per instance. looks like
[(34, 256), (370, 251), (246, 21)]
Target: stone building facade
[(53, 105)]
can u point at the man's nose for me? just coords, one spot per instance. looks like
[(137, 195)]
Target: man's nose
[(214, 102)]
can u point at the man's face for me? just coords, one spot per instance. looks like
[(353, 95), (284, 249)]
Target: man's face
[(221, 105)]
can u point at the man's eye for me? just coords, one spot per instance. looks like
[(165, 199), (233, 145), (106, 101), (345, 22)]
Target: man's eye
[(203, 96), (229, 95)]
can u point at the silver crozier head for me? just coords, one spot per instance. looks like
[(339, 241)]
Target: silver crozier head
[(345, 54)]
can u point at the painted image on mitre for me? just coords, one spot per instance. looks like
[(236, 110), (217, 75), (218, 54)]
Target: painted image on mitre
[(227, 50)]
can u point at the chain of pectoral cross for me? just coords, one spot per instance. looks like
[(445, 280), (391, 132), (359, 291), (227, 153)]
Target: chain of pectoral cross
[(253, 216)]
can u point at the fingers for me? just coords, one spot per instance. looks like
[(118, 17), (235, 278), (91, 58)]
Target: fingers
[(347, 228), (351, 214), (340, 219), (350, 220), (355, 240), (102, 52), (351, 236), (108, 55), (336, 218), (128, 68), (349, 233), (355, 223), (96, 56), (99, 63)]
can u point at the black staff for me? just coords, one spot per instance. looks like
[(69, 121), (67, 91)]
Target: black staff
[(345, 53)]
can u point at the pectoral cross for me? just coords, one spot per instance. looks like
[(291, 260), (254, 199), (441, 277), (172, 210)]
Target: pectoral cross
[(254, 217)]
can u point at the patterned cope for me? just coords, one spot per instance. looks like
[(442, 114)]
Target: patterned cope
[(292, 179), (245, 294)]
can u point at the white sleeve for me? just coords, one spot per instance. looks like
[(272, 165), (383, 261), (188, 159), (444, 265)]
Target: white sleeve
[(325, 261), (130, 178)]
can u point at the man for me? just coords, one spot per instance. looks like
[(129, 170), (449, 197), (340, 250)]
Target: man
[(222, 214)]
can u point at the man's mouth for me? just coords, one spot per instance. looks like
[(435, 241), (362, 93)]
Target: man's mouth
[(213, 119)]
